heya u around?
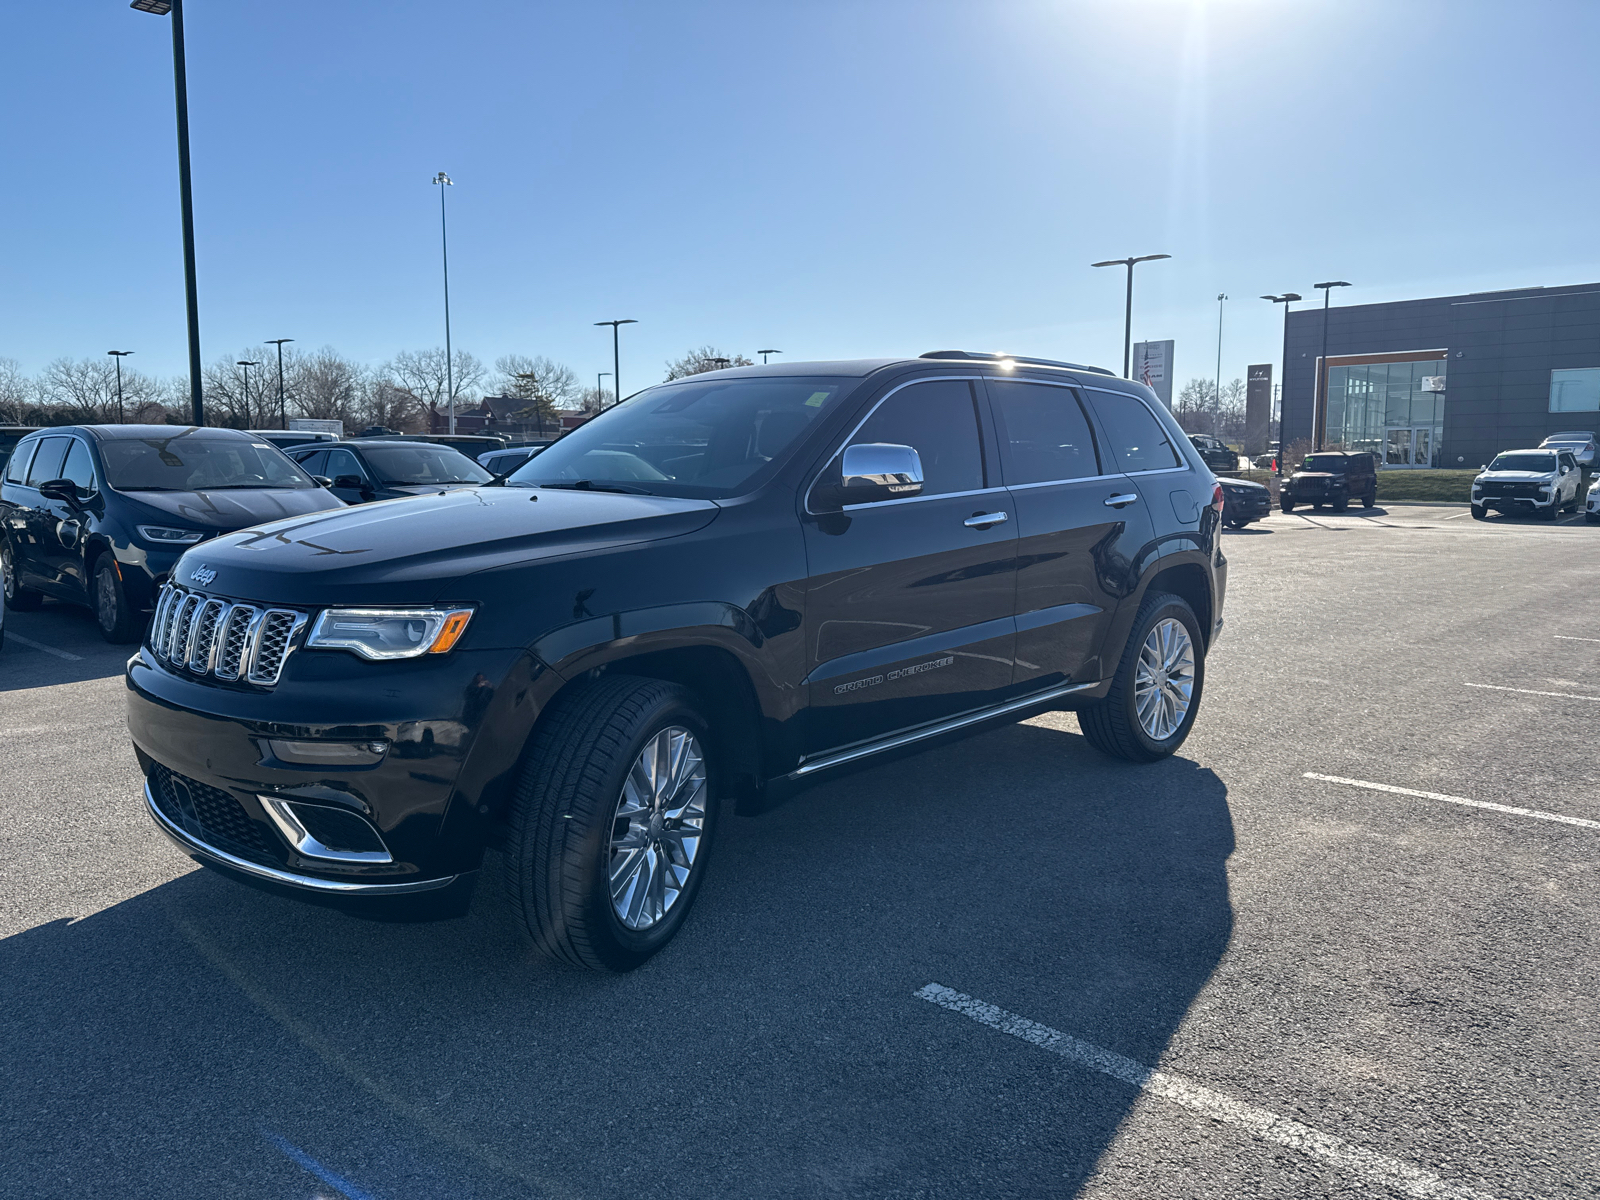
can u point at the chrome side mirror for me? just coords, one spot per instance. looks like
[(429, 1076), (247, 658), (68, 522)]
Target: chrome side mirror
[(875, 471)]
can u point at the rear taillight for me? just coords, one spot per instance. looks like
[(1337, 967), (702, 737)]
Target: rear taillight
[(1216, 497)]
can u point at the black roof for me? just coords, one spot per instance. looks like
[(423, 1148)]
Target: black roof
[(108, 433)]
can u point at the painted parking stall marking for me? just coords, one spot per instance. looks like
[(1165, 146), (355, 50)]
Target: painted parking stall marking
[(1512, 810), (1369, 1165), (1495, 687), (1567, 637), (33, 645)]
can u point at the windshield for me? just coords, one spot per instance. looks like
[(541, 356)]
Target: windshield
[(192, 462), (1325, 462), (707, 439), (422, 463), (1541, 464)]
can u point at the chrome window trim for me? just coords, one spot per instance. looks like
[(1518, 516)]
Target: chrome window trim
[(1022, 487), (856, 428), (919, 499), (281, 813), (205, 851)]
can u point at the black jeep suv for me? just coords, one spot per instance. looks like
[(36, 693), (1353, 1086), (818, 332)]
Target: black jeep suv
[(713, 594), (1332, 477)]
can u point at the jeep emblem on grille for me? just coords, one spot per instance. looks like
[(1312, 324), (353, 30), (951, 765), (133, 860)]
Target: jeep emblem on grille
[(203, 575)]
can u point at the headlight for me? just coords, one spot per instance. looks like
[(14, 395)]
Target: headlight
[(170, 537), (381, 633)]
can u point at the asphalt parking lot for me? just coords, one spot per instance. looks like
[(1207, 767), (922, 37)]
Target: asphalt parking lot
[(1346, 943)]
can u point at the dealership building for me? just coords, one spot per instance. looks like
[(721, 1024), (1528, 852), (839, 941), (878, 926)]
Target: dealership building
[(1445, 382)]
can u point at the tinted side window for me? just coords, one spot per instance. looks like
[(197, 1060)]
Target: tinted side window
[(1138, 441), (314, 462), (79, 467), (342, 462), (939, 420), (47, 463), (17, 468), (1044, 434)]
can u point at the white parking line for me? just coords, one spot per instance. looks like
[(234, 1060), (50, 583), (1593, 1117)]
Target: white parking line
[(1562, 637), (1582, 822), (1394, 1173), (29, 642), (1495, 687)]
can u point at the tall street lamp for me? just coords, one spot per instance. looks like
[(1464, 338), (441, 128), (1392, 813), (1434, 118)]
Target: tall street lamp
[(1319, 411), (247, 363), (1216, 398), (283, 411), (445, 181), (764, 354), (1127, 322), (616, 356), (180, 88), (1286, 299), (722, 362), (117, 357), (599, 390)]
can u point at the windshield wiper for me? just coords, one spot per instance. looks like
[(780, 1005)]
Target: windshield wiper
[(151, 488), (245, 487), (589, 485)]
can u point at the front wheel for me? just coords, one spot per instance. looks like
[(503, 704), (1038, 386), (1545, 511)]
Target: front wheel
[(611, 822), (1286, 505), (1480, 513), (118, 624), (1155, 693), (1369, 499)]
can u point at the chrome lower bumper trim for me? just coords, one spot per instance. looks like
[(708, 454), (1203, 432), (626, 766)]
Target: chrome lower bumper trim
[(895, 740), (329, 887)]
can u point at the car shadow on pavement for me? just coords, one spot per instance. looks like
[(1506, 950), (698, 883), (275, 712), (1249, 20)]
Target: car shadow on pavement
[(59, 643), (203, 1038)]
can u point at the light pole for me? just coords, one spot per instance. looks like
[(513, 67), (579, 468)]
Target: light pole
[(1286, 299), (445, 181), (180, 88), (616, 355), (600, 391), (247, 363), (764, 354), (283, 412), (117, 357), (1319, 411), (722, 362), (1216, 399), (1127, 321)]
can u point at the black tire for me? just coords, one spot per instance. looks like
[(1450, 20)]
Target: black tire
[(1340, 506), (17, 597), (1550, 513), (1480, 513), (558, 848), (1286, 505), (1112, 725), (1317, 507), (118, 622), (1592, 518), (1370, 499)]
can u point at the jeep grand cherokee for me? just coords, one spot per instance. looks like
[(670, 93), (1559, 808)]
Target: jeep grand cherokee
[(713, 594)]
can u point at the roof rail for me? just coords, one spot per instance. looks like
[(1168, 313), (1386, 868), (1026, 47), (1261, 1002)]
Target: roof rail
[(987, 356)]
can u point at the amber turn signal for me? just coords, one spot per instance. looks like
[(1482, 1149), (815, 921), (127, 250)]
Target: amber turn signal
[(454, 626)]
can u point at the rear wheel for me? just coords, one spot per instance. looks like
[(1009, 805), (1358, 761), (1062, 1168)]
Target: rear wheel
[(117, 621), (611, 822), (17, 597), (1370, 499), (1155, 694)]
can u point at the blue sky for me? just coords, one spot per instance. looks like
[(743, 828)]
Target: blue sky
[(833, 179)]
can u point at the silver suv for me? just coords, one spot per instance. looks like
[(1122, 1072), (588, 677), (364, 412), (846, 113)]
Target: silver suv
[(1542, 482)]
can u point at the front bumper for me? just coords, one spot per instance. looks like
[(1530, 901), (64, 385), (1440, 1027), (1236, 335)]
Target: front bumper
[(214, 856), (1511, 504)]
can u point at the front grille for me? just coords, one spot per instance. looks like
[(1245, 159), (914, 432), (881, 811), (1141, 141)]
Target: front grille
[(208, 814), (1513, 491), (210, 636)]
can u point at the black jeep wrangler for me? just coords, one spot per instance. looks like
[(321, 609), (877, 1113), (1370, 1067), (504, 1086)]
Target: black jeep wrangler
[(1334, 478), (711, 595)]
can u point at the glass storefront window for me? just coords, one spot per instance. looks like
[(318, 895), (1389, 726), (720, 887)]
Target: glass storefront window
[(1575, 391), (1382, 407)]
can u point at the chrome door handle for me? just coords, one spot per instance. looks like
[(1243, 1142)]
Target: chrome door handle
[(985, 520), (1120, 499)]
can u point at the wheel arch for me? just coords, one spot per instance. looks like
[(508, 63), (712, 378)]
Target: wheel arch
[(1188, 581)]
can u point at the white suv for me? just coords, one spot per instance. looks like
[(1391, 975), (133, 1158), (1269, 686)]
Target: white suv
[(1541, 482)]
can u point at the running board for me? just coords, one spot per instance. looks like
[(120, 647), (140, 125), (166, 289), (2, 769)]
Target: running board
[(895, 740)]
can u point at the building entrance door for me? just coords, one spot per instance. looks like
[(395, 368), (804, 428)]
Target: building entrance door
[(1408, 447)]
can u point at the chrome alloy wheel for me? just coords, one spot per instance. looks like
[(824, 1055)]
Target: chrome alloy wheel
[(656, 831), (1164, 680)]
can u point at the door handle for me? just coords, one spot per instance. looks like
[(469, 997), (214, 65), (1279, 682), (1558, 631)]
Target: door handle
[(985, 520), (1121, 499)]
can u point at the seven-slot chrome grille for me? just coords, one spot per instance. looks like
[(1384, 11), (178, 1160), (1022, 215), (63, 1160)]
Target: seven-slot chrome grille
[(226, 640)]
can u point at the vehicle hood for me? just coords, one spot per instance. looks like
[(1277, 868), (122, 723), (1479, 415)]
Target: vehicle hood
[(1242, 485), (412, 550), (1516, 477), (227, 510), (1314, 476)]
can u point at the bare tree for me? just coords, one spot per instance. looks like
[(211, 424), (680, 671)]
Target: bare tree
[(1194, 406), (422, 373), (16, 390), (546, 386), (706, 358), (386, 403), (592, 400), (325, 386), (84, 388)]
